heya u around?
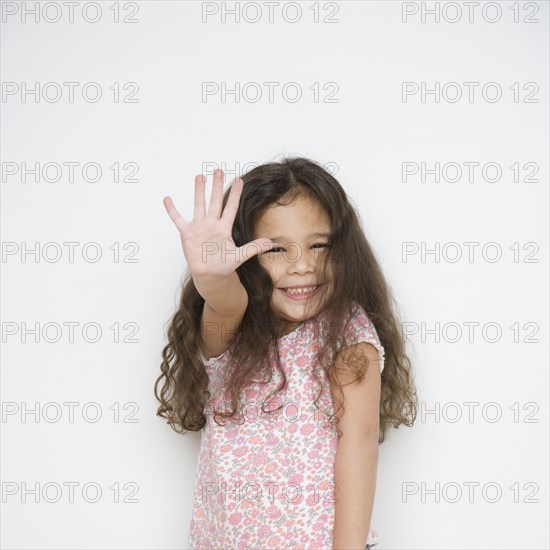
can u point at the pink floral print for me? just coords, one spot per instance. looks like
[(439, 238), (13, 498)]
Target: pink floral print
[(268, 481)]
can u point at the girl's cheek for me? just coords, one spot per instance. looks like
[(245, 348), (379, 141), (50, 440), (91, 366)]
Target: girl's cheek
[(270, 265)]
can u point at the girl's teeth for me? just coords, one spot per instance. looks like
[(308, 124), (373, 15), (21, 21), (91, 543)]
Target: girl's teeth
[(301, 290)]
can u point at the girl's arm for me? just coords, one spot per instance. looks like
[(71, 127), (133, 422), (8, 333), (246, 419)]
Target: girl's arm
[(213, 258), (225, 303), (357, 454)]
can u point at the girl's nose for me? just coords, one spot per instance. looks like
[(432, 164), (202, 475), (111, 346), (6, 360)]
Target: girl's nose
[(301, 260)]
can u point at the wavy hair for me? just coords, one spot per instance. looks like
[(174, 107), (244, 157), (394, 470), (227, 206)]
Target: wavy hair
[(358, 278)]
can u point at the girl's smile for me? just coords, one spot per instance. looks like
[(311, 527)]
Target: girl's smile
[(301, 292)]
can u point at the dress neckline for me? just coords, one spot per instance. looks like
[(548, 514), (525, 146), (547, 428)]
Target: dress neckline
[(297, 329), (293, 332)]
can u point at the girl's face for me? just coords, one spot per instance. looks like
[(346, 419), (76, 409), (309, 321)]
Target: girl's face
[(300, 232)]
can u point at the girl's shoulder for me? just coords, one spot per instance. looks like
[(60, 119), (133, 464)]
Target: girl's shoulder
[(357, 328)]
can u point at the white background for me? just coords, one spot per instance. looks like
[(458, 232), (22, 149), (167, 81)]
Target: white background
[(171, 133)]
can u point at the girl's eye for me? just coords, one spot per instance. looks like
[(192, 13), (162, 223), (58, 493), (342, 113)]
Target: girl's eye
[(278, 248)]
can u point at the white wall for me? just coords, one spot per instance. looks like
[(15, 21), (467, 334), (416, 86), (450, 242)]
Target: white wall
[(171, 132)]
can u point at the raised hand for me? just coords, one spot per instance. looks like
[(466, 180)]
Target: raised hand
[(207, 243)]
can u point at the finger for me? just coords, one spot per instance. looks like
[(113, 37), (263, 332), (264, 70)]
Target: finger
[(200, 206), (172, 212), (232, 204), (216, 199), (253, 248)]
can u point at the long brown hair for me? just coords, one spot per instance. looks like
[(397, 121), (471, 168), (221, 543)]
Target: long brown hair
[(358, 278)]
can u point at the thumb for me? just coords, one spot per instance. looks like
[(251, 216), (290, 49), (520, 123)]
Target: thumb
[(253, 248)]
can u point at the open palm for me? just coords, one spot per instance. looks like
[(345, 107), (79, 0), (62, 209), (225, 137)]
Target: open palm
[(207, 243)]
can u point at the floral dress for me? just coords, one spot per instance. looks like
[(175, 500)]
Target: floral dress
[(268, 481)]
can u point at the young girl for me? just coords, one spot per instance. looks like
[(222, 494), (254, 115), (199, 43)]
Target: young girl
[(286, 327)]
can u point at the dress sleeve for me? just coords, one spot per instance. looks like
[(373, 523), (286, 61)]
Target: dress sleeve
[(361, 329)]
